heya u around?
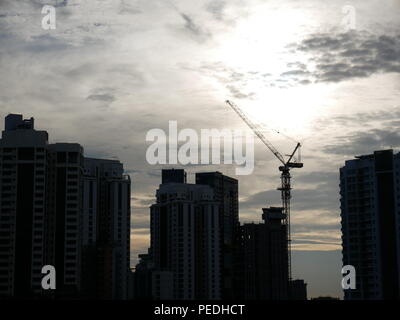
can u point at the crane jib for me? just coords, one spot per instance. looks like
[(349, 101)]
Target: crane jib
[(285, 187)]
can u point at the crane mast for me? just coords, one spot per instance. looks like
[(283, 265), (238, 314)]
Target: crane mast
[(285, 187)]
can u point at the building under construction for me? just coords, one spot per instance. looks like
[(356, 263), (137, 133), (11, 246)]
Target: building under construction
[(267, 247), (262, 260)]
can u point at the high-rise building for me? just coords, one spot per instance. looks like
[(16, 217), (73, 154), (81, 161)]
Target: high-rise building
[(40, 213), (107, 227), (50, 211), (370, 203), (226, 194), (185, 244), (64, 213), (23, 212), (264, 252)]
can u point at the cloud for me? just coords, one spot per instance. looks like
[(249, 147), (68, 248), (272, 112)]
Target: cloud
[(190, 25), (327, 58), (323, 196), (233, 80), (197, 32), (102, 97), (341, 57), (216, 8), (364, 142), (238, 94)]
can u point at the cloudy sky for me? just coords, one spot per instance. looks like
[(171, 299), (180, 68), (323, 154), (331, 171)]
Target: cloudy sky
[(323, 72)]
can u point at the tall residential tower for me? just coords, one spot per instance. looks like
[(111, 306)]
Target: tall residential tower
[(58, 208), (226, 191), (185, 241), (370, 203)]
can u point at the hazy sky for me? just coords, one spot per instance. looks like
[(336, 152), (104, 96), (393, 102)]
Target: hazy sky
[(114, 69)]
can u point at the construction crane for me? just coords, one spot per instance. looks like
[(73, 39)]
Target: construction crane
[(285, 187)]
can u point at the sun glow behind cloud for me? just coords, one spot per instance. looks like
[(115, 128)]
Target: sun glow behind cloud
[(258, 47)]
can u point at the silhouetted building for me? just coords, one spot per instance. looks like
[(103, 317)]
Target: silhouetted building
[(131, 285), (298, 290), (162, 285), (143, 278), (173, 176), (48, 214), (185, 241), (226, 194), (23, 161), (40, 213), (107, 228), (264, 251), (64, 210), (369, 189)]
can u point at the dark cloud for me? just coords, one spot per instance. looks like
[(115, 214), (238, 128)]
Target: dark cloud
[(61, 3), (194, 28), (365, 142), (329, 58), (365, 118), (295, 73), (340, 57), (238, 94), (380, 130), (216, 8), (102, 97), (127, 7), (44, 44), (190, 26), (234, 81)]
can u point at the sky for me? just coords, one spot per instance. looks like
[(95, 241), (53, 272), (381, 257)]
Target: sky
[(325, 73)]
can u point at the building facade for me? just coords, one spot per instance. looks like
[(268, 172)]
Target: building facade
[(107, 227), (263, 272), (23, 212), (50, 210), (370, 200), (185, 244), (226, 194)]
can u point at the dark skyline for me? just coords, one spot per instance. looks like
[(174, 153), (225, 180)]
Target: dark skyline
[(200, 250), (61, 209), (113, 70)]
